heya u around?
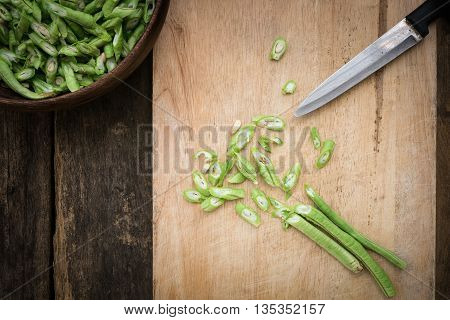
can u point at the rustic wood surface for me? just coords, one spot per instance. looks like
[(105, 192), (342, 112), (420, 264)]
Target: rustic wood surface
[(103, 247), (211, 67), (26, 205)]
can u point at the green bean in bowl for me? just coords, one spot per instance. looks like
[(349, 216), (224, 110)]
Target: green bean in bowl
[(53, 47)]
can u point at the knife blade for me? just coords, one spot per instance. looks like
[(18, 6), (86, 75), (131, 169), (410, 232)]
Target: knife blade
[(404, 35)]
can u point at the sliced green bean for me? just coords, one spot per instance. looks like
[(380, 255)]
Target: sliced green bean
[(260, 199), (279, 47), (200, 183), (289, 87), (118, 42), (351, 244), (51, 68), (274, 123), (69, 76), (325, 153), (241, 138), (344, 225), (25, 74), (227, 193), (193, 196), (209, 158), (315, 138), (210, 204), (44, 45), (237, 178), (291, 179), (216, 171), (347, 259), (149, 7), (266, 168), (249, 215), (111, 64), (136, 35), (246, 168)]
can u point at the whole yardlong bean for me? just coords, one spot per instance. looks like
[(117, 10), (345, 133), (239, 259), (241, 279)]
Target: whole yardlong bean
[(347, 259), (341, 223), (351, 244), (42, 34)]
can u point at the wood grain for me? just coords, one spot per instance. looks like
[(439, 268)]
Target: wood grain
[(26, 205), (103, 247), (211, 68)]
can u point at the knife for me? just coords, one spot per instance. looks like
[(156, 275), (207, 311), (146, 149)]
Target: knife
[(404, 35)]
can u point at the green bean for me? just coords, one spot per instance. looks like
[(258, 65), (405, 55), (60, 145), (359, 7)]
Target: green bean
[(209, 156), (270, 122), (249, 215), (277, 204), (25, 74), (210, 204), (108, 7), (136, 35), (266, 168), (227, 166), (344, 225), (132, 23), (69, 76), (264, 142), (216, 171), (279, 47), (227, 193), (97, 42), (118, 42), (236, 126), (315, 138), (122, 13), (70, 51), (149, 7), (41, 30), (8, 77), (77, 29), (44, 45), (83, 19), (83, 68), (200, 183), (51, 68), (260, 199), (9, 57), (85, 80), (4, 34), (109, 51), (5, 15), (193, 196), (87, 49), (351, 244), (37, 13), (34, 58), (347, 259), (291, 179), (246, 168), (325, 153), (100, 64), (111, 64), (22, 26), (93, 6), (241, 138), (12, 40), (289, 87), (41, 86), (111, 23), (237, 178)]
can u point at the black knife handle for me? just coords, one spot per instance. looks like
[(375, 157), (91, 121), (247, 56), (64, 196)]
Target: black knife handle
[(426, 13)]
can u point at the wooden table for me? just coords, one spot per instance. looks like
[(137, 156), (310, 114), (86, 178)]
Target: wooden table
[(76, 193)]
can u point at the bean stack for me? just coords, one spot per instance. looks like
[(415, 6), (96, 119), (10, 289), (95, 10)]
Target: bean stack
[(51, 47)]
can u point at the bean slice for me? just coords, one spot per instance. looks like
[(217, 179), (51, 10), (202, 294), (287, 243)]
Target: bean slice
[(260, 199), (249, 215)]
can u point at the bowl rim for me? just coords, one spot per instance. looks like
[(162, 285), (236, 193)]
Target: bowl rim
[(105, 83)]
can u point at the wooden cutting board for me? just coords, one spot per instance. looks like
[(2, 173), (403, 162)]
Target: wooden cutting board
[(211, 67)]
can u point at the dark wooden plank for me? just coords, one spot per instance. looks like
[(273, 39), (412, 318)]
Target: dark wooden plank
[(443, 163), (26, 205), (103, 245)]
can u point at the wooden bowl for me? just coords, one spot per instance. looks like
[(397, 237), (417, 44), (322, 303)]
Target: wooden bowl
[(12, 101)]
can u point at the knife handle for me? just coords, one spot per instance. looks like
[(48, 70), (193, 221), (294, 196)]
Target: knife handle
[(426, 13)]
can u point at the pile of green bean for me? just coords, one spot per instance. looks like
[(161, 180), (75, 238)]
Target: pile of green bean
[(321, 223), (50, 47)]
